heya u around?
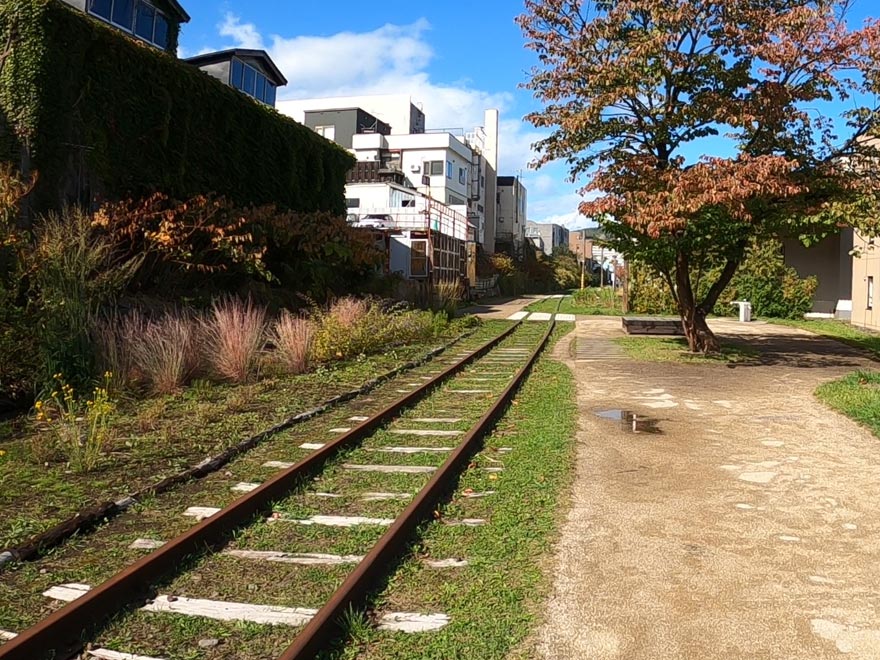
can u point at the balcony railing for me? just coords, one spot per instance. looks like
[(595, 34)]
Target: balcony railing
[(369, 171), (435, 218)]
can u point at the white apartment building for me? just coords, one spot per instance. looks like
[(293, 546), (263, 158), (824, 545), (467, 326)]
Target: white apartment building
[(436, 164), (456, 168), (424, 239)]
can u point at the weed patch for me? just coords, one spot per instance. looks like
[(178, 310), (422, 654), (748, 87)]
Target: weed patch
[(666, 349), (857, 396), (593, 300), (495, 600)]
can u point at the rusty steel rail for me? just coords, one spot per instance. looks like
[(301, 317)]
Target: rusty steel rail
[(326, 624), (60, 635), (86, 519)]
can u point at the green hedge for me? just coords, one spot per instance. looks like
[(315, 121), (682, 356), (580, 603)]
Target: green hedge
[(79, 99), (764, 279)]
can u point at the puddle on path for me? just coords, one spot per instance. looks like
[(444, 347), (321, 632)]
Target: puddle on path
[(630, 421)]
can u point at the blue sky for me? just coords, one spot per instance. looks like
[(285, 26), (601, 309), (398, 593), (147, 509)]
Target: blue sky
[(455, 58)]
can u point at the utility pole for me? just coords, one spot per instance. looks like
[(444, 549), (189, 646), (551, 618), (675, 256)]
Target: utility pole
[(583, 252)]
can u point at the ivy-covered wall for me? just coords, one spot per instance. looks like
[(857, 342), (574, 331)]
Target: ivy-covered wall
[(98, 114)]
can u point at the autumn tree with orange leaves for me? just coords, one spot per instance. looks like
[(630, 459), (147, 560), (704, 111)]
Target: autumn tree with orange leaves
[(646, 99)]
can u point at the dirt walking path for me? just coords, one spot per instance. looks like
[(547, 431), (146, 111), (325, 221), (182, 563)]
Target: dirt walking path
[(748, 527)]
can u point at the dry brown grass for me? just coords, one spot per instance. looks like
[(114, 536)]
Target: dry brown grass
[(235, 333), (166, 352), (115, 336), (293, 337), (348, 311)]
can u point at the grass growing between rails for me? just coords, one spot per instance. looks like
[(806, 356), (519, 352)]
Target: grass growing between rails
[(669, 349), (161, 435), (839, 330), (857, 396), (595, 301), (494, 601)]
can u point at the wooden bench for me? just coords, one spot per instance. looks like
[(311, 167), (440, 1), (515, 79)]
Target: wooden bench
[(652, 325)]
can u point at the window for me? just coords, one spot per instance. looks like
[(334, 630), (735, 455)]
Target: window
[(418, 259), (254, 83), (270, 94), (136, 17), (448, 169), (409, 203), (434, 167), (328, 132), (160, 32), (123, 10), (250, 81), (870, 292), (101, 8), (143, 22), (237, 80), (352, 202), (462, 175)]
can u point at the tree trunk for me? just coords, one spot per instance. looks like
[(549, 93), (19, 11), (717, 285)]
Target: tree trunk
[(699, 337), (693, 316)]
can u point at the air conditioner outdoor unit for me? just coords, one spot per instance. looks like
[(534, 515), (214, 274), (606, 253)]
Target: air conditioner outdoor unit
[(415, 168)]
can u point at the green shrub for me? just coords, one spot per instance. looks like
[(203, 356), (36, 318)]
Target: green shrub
[(598, 299), (74, 273), (19, 355), (648, 292), (445, 298), (354, 327), (76, 92), (773, 289), (18, 346), (566, 269)]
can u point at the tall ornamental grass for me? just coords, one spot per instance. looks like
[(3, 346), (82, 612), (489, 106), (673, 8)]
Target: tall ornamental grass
[(234, 335), (293, 337)]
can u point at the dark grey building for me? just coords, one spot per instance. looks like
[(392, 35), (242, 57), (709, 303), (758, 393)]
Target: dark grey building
[(552, 236), (250, 71), (154, 22), (340, 125)]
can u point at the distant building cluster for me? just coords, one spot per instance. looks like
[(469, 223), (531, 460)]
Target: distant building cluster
[(433, 198)]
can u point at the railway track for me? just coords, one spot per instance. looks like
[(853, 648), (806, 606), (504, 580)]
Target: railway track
[(325, 528)]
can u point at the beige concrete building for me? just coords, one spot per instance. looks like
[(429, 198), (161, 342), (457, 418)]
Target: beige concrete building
[(865, 276), (830, 262)]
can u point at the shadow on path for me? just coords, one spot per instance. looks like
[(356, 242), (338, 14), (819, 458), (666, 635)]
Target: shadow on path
[(801, 352)]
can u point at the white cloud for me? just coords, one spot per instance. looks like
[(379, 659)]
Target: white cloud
[(245, 35), (394, 59), (556, 201)]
